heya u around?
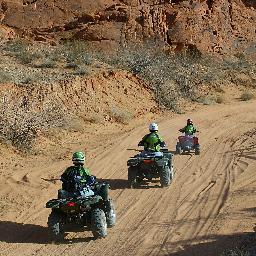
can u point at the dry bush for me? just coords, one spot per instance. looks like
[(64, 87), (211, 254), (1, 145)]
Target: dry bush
[(22, 50), (77, 54), (247, 96), (19, 123), (207, 100), (120, 116), (94, 118), (220, 99)]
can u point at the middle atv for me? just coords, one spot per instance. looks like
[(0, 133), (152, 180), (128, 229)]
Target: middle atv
[(150, 165), (187, 143)]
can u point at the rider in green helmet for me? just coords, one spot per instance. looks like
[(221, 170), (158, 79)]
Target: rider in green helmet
[(76, 177), (77, 169), (153, 141), (189, 129)]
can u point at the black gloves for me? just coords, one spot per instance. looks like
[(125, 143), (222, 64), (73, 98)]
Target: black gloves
[(162, 144)]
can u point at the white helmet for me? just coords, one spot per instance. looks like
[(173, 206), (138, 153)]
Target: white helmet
[(153, 127)]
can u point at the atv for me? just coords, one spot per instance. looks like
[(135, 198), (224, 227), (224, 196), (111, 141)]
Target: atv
[(150, 165), (187, 143), (71, 212)]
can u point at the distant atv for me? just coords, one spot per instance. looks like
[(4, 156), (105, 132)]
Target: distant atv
[(187, 143), (89, 212), (148, 166)]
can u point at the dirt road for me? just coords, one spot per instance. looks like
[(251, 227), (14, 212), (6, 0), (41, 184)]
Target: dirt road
[(208, 205)]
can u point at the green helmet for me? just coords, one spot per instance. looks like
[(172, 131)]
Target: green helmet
[(78, 157)]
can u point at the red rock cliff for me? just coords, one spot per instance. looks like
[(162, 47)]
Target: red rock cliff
[(216, 26)]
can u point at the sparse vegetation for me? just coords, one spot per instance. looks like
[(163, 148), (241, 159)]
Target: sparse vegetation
[(190, 76), (120, 116), (176, 76), (207, 100), (247, 96), (220, 99), (48, 63), (19, 124)]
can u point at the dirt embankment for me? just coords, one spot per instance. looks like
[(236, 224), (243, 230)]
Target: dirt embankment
[(72, 106), (221, 26)]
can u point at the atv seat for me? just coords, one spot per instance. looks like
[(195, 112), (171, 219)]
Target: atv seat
[(151, 154)]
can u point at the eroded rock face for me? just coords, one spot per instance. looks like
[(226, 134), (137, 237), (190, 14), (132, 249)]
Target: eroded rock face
[(216, 26)]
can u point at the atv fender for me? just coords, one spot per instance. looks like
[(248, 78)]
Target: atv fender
[(133, 162), (162, 162)]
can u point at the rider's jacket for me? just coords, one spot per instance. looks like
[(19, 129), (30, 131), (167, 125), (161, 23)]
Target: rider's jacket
[(152, 142), (188, 129), (71, 174)]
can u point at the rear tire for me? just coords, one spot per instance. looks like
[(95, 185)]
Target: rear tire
[(178, 150), (197, 151), (132, 177), (165, 176), (55, 226), (98, 223), (111, 214)]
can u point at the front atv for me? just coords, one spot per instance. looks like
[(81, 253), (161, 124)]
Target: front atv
[(86, 212), (149, 166), (187, 143)]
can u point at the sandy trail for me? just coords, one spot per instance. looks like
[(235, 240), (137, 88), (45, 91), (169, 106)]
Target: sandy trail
[(191, 217)]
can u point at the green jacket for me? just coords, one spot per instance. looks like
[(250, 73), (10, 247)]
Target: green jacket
[(189, 129), (152, 142), (71, 171)]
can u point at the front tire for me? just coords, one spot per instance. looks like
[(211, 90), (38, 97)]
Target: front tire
[(55, 226), (165, 176), (98, 223), (111, 214)]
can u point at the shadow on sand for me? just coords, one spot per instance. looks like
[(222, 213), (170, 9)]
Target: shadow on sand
[(115, 183), (212, 245), (13, 232)]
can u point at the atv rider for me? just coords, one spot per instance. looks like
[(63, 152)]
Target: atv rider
[(77, 180), (189, 130), (152, 142), (77, 170)]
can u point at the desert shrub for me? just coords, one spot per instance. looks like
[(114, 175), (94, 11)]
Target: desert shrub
[(47, 63), (5, 76), (95, 119), (81, 72), (16, 46), (120, 116), (19, 124), (22, 50), (220, 99), (246, 96), (76, 53), (207, 100)]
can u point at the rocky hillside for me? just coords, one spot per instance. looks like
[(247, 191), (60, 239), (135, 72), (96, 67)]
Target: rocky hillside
[(216, 26)]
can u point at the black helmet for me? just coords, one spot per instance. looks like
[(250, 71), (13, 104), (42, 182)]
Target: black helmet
[(189, 121)]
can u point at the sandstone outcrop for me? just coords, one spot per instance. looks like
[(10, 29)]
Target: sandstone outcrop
[(216, 26)]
